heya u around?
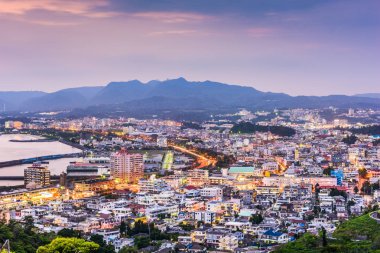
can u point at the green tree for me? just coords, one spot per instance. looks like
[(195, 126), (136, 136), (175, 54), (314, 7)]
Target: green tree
[(359, 234), (376, 242), (327, 171), (317, 191), (140, 227), (68, 245), (98, 239), (324, 237), (141, 242), (248, 127), (103, 246), (256, 218), (186, 226), (22, 237), (350, 139), (366, 188), (375, 186), (129, 230), (336, 192), (69, 232), (123, 228), (310, 217), (308, 243), (358, 228), (129, 250), (28, 224)]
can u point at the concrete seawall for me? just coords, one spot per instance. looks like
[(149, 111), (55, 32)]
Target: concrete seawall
[(37, 159)]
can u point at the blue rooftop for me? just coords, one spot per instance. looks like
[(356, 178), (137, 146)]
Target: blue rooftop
[(272, 233)]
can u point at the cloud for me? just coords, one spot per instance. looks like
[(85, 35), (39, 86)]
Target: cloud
[(172, 32), (52, 23), (73, 7), (261, 32), (171, 17)]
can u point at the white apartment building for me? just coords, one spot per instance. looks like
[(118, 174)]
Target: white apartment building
[(128, 168), (205, 216), (289, 181), (154, 211), (211, 192)]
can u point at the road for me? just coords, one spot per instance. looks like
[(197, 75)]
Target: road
[(202, 160)]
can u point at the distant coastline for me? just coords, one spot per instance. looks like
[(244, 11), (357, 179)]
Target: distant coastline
[(37, 140)]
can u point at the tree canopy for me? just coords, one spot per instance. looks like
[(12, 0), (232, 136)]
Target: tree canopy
[(69, 245), (249, 128), (369, 130), (350, 139), (22, 237)]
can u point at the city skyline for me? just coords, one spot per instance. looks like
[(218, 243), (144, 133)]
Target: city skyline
[(295, 47)]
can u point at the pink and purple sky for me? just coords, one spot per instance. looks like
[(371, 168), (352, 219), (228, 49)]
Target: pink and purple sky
[(300, 47)]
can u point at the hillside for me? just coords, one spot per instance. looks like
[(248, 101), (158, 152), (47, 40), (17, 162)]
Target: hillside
[(369, 130), (359, 228), (360, 234), (11, 100)]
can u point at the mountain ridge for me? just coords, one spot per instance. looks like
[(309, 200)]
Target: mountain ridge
[(368, 95), (177, 94)]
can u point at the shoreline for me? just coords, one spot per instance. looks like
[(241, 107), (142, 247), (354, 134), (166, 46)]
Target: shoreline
[(39, 159), (74, 145), (38, 140), (44, 139)]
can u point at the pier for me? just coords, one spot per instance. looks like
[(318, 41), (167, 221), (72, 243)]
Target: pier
[(38, 159)]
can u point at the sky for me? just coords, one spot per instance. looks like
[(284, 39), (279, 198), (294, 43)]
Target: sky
[(299, 47)]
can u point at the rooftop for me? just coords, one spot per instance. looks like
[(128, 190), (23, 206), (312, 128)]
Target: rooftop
[(241, 170)]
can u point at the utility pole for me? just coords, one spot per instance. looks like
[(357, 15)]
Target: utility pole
[(6, 247)]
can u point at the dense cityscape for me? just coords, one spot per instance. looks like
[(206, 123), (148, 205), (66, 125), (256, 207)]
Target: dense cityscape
[(189, 126), (263, 182)]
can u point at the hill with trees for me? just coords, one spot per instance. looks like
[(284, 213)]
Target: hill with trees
[(359, 234), (22, 236), (369, 130), (250, 128)]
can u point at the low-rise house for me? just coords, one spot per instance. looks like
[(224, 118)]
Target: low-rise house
[(199, 235), (272, 236), (214, 235), (228, 242), (186, 240)]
